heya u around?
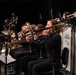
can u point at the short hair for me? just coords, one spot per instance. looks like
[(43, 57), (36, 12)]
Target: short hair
[(27, 23), (40, 26), (66, 13), (53, 21)]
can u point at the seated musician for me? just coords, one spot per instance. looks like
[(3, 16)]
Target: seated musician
[(23, 62), (52, 44), (24, 47)]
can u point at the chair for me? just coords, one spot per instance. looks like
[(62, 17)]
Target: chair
[(65, 56), (64, 59)]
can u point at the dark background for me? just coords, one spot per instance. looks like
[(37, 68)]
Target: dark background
[(29, 10)]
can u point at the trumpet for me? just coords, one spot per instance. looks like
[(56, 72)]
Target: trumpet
[(72, 15)]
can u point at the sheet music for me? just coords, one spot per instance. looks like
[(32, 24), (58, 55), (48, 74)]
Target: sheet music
[(9, 58)]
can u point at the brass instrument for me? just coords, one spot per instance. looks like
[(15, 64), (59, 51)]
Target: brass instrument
[(16, 43), (61, 26), (72, 15), (5, 47), (22, 37), (7, 32), (58, 27), (31, 30)]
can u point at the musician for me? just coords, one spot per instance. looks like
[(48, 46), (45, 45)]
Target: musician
[(6, 26), (35, 52), (65, 17), (23, 49), (52, 45)]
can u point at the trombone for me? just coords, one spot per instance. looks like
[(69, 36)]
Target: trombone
[(58, 27)]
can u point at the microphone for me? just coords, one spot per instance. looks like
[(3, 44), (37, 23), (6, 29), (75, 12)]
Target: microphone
[(70, 16)]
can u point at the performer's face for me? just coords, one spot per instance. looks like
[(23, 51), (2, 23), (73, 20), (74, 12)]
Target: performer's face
[(25, 29), (49, 24), (6, 21), (47, 31), (64, 16)]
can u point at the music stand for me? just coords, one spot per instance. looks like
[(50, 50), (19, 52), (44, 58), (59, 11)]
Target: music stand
[(5, 57), (6, 40)]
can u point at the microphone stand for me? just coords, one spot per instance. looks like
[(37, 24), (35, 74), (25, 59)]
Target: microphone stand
[(5, 41), (6, 53)]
